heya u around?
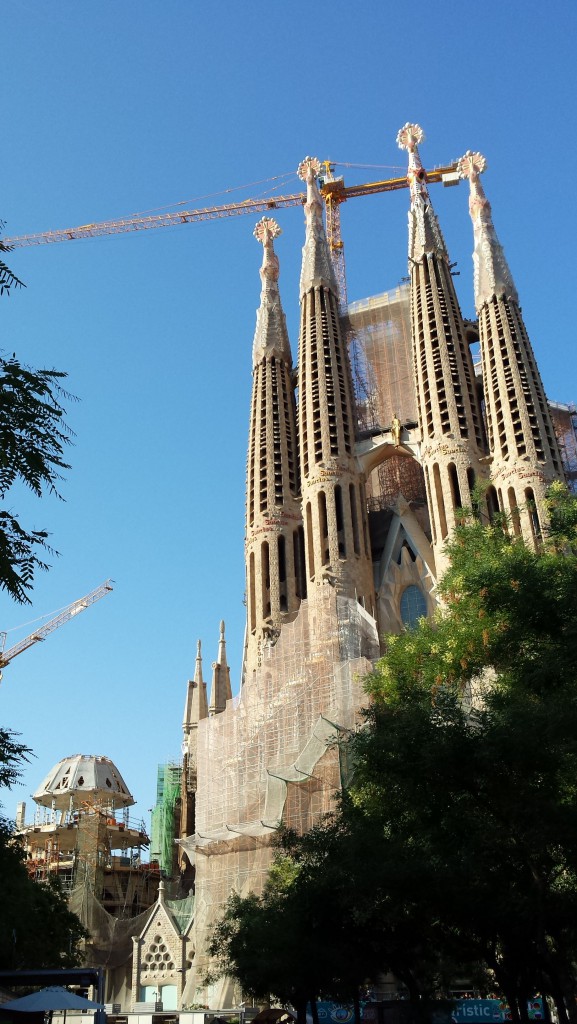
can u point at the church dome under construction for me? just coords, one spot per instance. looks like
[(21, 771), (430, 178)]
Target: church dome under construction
[(88, 776)]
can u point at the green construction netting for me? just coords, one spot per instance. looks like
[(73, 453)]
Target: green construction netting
[(163, 816), (182, 911)]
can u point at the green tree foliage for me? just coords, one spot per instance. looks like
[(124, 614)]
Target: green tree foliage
[(269, 943), (8, 279), (469, 761), (33, 436), (36, 928), (454, 851)]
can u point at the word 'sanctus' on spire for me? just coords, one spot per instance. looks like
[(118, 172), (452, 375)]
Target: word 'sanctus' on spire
[(492, 274), (424, 232), (317, 266)]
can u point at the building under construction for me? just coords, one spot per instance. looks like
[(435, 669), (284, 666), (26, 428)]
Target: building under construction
[(350, 501), (359, 457)]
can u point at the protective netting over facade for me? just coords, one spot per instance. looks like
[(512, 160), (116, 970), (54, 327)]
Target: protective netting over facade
[(381, 326), (565, 424), (271, 756), (164, 815), (110, 942)]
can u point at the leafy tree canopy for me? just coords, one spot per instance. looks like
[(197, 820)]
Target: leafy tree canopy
[(454, 851), (469, 760), (33, 436), (36, 928)]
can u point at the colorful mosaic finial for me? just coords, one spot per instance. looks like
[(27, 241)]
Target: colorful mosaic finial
[(265, 232), (309, 169), (424, 231), (270, 334), (491, 270), (409, 136), (316, 266)]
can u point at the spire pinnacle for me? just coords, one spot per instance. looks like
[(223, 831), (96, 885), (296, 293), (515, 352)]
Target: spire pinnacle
[(222, 646), (424, 232), (198, 665), (266, 231), (220, 689), (270, 336), (408, 138), (195, 706), (492, 274), (316, 266)]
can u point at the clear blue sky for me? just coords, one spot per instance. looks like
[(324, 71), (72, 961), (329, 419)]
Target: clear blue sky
[(130, 105)]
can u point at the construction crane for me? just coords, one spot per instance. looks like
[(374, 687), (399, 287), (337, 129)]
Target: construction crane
[(59, 620), (333, 189), (334, 192)]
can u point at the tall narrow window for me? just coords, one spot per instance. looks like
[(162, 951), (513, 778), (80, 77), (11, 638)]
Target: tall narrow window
[(324, 526), (440, 500), (454, 482), (265, 570), (354, 519), (340, 521)]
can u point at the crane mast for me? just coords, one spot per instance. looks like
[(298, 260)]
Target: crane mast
[(59, 620)]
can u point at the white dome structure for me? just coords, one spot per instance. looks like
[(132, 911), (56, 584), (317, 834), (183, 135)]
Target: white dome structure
[(84, 778)]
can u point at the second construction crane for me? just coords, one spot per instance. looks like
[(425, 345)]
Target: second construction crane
[(59, 620)]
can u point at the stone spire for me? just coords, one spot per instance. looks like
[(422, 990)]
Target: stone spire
[(524, 452), (274, 544), (424, 232), (492, 274), (195, 709), (316, 266), (220, 690), (270, 336), (450, 417), (332, 483), (195, 706)]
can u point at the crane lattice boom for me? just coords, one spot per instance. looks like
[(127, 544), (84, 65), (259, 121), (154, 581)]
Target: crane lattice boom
[(59, 620), (335, 188)]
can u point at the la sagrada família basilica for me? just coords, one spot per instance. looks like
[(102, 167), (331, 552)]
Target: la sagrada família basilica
[(351, 495)]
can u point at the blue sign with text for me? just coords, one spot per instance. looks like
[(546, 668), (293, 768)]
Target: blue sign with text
[(468, 1010)]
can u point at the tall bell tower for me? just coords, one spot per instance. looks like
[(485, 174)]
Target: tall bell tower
[(448, 403), (332, 483), (523, 448), (274, 544)]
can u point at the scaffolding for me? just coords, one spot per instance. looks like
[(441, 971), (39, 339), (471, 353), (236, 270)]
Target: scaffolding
[(565, 426), (165, 817), (381, 326), (273, 754)]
